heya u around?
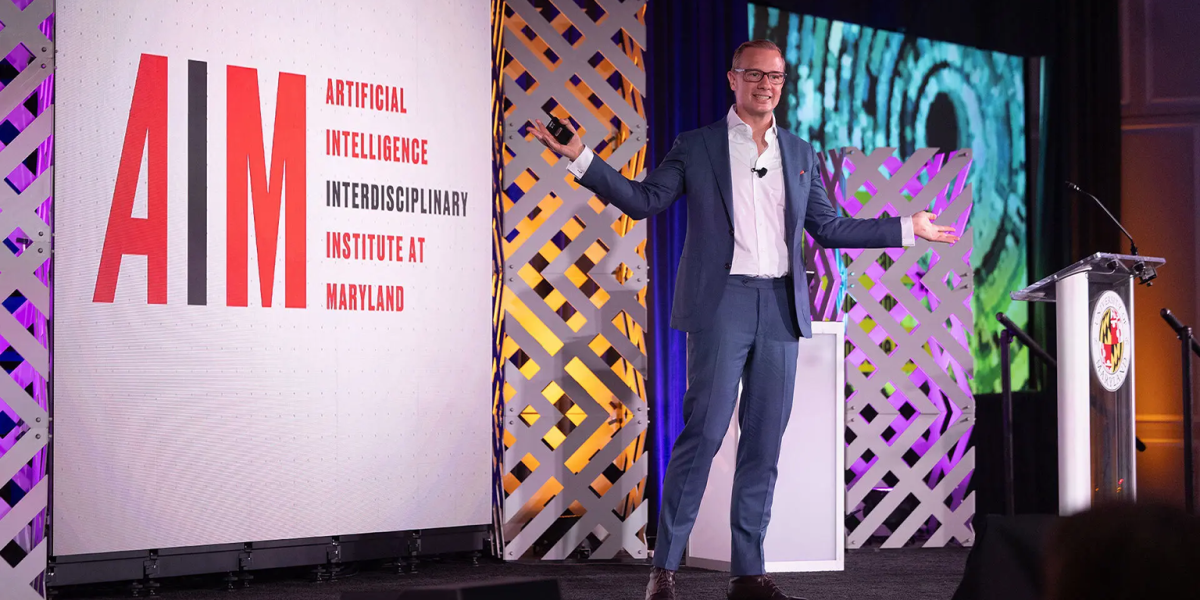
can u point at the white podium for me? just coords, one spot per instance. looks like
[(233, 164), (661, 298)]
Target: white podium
[(807, 530), (1096, 420)]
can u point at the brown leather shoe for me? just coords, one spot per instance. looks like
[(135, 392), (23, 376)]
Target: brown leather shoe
[(756, 587), (662, 585)]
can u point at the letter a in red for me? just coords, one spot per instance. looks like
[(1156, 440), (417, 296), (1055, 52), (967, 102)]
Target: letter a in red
[(147, 126), (244, 152)]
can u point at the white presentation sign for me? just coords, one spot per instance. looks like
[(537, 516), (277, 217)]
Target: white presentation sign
[(272, 290)]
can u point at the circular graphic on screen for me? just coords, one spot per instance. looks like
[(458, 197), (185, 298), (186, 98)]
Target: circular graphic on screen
[(1110, 341)]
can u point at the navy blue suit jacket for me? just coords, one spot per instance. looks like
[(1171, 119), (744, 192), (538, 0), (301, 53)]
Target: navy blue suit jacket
[(698, 165)]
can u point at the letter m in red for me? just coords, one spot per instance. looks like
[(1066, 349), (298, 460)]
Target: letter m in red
[(147, 127), (247, 176)]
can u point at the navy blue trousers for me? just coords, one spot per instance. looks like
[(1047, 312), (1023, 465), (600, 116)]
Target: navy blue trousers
[(752, 340)]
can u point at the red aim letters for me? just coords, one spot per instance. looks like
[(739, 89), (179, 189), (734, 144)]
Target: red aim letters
[(276, 190)]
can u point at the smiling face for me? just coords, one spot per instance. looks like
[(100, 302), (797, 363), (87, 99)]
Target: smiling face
[(759, 98)]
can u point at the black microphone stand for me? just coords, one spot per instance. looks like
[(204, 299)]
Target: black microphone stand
[(1006, 422), (1188, 345)]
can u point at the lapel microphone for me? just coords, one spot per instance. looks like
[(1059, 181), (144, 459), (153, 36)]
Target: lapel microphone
[(760, 172)]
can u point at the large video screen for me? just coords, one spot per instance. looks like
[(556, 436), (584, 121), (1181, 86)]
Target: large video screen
[(850, 85), (272, 268)]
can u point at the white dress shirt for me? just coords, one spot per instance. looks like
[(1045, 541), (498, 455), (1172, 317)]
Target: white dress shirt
[(759, 240)]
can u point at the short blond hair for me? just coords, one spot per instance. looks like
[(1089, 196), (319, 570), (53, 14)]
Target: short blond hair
[(761, 44)]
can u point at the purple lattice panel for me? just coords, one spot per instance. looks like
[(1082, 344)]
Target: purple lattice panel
[(908, 362), (26, 155)]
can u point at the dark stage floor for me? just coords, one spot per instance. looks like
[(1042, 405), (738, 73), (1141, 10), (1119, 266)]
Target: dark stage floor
[(885, 574)]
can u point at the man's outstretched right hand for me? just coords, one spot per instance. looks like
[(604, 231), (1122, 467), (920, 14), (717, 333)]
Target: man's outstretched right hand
[(573, 148)]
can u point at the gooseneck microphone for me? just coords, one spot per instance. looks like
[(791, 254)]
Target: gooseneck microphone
[(760, 172), (1132, 246), (1145, 273)]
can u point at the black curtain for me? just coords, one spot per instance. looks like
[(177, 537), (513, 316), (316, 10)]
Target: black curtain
[(1081, 142), (1035, 454), (690, 47), (1082, 135)]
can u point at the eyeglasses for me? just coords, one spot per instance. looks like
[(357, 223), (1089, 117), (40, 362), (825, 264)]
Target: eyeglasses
[(754, 75)]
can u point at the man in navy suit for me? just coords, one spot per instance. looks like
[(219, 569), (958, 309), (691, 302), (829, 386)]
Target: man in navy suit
[(741, 295)]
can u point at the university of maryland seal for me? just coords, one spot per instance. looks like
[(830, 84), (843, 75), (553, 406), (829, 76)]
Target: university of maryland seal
[(1111, 341)]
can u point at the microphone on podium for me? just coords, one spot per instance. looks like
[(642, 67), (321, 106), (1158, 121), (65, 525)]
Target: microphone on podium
[(1145, 273)]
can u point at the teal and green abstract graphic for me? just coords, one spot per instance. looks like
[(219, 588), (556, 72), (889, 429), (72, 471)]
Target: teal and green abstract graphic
[(850, 85)]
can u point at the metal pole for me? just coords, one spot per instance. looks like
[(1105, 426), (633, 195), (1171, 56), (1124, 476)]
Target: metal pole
[(1019, 334), (1189, 488), (1010, 504)]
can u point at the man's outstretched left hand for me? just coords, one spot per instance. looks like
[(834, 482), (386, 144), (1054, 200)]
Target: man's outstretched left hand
[(924, 228)]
